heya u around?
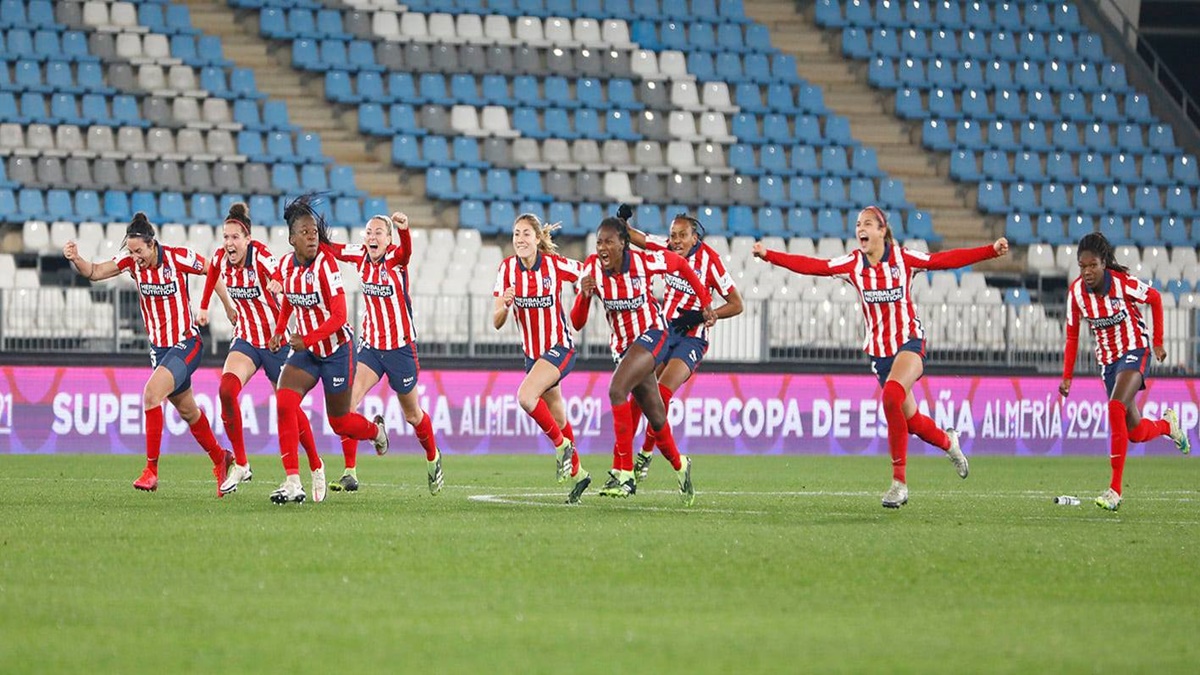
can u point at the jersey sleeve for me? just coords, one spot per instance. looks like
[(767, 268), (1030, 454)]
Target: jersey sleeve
[(656, 262), (947, 260), (351, 253), (331, 278), (501, 279), (1071, 348), (717, 276), (189, 261), (1136, 289), (570, 270), (268, 266), (839, 267), (125, 263), (656, 242)]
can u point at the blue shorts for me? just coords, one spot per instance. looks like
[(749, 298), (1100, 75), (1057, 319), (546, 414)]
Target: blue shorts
[(400, 365), (687, 348), (270, 362), (336, 371), (559, 356), (882, 366), (1137, 359), (181, 360), (655, 342)]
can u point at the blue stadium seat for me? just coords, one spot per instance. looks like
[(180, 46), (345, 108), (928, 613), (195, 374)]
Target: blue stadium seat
[(908, 103), (147, 203), (831, 223), (1137, 108), (1060, 168), (1173, 230), (1183, 170), (799, 222), (891, 194), (771, 190), (964, 165), (772, 159), (991, 197), (829, 14), (1116, 200), (341, 181), (1078, 226), (1022, 197), (1054, 200), (172, 208), (920, 224), (116, 206), (804, 161), (472, 213), (347, 212), (770, 222), (802, 190), (284, 178), (1019, 229), (1163, 138), (1085, 197), (1147, 200)]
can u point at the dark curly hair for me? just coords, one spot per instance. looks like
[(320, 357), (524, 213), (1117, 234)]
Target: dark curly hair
[(1096, 244), (306, 205), (620, 227)]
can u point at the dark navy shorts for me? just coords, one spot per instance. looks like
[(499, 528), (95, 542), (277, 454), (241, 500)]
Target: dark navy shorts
[(653, 341), (687, 348), (1137, 359), (559, 356), (270, 362), (400, 365), (882, 366), (336, 371), (181, 360)]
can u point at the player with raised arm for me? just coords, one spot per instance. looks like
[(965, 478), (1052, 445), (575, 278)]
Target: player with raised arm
[(1106, 295), (687, 334), (322, 347), (881, 271), (388, 345), (620, 277), (529, 286), (160, 273)]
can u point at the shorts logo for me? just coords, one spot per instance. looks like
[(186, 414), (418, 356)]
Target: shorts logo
[(1131, 358), (553, 352), (407, 381), (692, 355), (339, 381)]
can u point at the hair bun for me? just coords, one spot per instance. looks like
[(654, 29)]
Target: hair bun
[(239, 210)]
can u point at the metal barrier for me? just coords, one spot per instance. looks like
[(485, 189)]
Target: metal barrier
[(770, 330)]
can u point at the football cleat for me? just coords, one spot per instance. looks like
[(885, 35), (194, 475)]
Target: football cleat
[(237, 474), (288, 491), (1177, 433), (582, 481), (148, 481), (956, 455), (562, 459), (619, 484), (687, 491), (641, 465), (1109, 500), (348, 482), (318, 485), (436, 478), (381, 441), (896, 496)]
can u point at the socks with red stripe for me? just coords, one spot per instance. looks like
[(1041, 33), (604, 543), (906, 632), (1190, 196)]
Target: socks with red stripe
[(666, 445), (649, 444), (354, 426), (231, 415), (541, 415), (424, 430), (202, 432), (925, 429), (307, 440), (1119, 439), (154, 432), (893, 410), (287, 406), (1148, 430), (350, 452), (623, 429)]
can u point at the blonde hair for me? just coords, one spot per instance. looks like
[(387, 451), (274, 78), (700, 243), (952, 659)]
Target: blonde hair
[(544, 243)]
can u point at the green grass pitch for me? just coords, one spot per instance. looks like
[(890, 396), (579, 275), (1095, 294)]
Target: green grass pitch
[(784, 564)]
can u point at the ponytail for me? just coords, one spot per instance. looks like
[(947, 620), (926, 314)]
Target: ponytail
[(1096, 244)]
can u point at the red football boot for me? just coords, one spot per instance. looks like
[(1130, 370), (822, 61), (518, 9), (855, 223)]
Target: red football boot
[(148, 480)]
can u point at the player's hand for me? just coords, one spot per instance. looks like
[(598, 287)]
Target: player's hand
[(759, 250), (710, 317), (510, 294), (297, 343), (231, 312), (274, 287), (400, 220), (202, 317), (71, 251), (1160, 353), (1001, 247), (587, 285), (1064, 387), (275, 343)]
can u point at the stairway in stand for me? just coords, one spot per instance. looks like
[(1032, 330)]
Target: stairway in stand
[(309, 110)]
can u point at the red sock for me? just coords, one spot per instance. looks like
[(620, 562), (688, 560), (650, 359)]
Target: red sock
[(307, 440), (203, 434), (231, 415), (154, 432), (1119, 437), (569, 434), (925, 429), (1148, 430), (541, 415), (893, 410), (649, 444), (287, 406), (354, 426), (350, 452), (424, 430), (623, 447), (666, 445)]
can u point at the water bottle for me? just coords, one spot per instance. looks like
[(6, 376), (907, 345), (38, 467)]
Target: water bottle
[(1067, 500)]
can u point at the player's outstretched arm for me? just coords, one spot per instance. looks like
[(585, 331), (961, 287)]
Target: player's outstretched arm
[(93, 271), (800, 264)]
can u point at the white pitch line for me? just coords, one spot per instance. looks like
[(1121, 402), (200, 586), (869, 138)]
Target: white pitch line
[(530, 499)]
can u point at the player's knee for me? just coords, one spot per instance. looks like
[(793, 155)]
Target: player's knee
[(893, 397), (617, 394), (1117, 411), (340, 425), (527, 400), (287, 400), (230, 387), (414, 417)]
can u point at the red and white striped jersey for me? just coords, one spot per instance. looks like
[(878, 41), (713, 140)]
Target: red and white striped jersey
[(537, 300), (309, 289), (1116, 322), (628, 302), (679, 296), (163, 293), (247, 287), (388, 323), (885, 289)]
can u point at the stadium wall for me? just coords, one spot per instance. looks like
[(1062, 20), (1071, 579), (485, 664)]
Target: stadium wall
[(96, 409)]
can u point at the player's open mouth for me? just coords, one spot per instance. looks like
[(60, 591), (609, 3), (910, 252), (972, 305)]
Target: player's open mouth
[(862, 239)]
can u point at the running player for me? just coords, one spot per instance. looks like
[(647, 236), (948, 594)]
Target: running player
[(1106, 295), (250, 275), (621, 277), (882, 271), (529, 286), (687, 340), (388, 344), (160, 274), (322, 347)]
